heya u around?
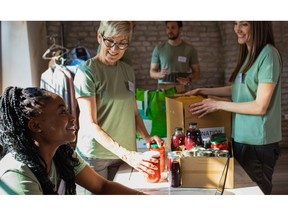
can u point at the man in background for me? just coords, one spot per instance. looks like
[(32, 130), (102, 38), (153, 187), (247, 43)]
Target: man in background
[(175, 61)]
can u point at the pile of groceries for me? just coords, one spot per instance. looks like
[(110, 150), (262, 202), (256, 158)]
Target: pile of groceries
[(188, 144)]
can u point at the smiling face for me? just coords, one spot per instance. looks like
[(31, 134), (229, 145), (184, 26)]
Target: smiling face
[(55, 125), (110, 52), (243, 31)]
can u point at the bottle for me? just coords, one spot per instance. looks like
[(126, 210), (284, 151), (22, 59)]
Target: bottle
[(175, 172), (206, 142), (153, 178), (178, 140), (193, 136), (161, 150)]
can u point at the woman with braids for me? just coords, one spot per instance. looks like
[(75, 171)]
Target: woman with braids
[(256, 101), (35, 131)]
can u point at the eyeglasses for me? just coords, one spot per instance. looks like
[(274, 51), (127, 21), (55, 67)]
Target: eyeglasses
[(110, 43)]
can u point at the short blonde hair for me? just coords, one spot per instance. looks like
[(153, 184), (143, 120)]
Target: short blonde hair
[(116, 28)]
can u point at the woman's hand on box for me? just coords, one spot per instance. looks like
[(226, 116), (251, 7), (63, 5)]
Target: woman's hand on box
[(204, 107)]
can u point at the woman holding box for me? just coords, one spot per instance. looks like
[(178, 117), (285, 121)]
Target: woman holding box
[(256, 102)]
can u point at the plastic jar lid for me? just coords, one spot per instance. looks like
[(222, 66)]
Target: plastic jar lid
[(154, 145)]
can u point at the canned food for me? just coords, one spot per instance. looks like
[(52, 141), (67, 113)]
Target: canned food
[(207, 153), (223, 153), (219, 140)]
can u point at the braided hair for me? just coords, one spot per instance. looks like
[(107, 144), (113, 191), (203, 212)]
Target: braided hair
[(17, 107)]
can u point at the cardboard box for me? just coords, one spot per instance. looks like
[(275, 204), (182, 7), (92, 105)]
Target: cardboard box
[(206, 172), (177, 115)]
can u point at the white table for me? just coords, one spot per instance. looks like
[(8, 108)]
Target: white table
[(134, 179)]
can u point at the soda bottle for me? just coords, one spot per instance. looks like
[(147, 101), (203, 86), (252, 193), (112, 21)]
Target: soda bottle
[(193, 136), (178, 140)]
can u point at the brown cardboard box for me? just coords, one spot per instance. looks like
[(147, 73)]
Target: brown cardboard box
[(177, 115), (203, 172), (206, 172)]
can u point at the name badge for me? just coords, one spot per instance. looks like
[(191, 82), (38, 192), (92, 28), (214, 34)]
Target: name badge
[(131, 86), (240, 78), (182, 59)]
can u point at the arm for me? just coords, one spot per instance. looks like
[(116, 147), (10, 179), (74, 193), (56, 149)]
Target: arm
[(155, 72), (225, 91), (88, 117), (95, 183), (256, 107)]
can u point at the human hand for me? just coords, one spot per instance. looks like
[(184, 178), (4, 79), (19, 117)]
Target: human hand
[(184, 80), (204, 107), (164, 71), (143, 164), (191, 92), (153, 139)]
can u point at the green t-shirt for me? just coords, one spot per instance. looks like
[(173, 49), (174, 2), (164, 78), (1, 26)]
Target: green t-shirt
[(259, 129), (115, 105), (17, 178), (178, 59)]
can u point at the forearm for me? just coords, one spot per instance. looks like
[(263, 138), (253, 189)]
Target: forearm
[(106, 141), (218, 91), (155, 74), (250, 108)]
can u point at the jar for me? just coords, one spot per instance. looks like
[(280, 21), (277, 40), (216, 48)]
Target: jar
[(219, 140), (175, 172), (161, 150), (193, 136), (178, 140), (153, 178)]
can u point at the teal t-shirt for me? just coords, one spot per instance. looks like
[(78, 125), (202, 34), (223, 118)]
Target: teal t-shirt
[(259, 129), (115, 105), (17, 179), (178, 59)]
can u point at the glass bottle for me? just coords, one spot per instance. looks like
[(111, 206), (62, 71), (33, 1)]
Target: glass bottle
[(193, 136), (175, 172), (178, 140), (161, 150)]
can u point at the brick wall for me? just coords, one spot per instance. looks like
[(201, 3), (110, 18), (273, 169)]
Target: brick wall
[(215, 41)]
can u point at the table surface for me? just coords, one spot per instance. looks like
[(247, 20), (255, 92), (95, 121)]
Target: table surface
[(134, 179)]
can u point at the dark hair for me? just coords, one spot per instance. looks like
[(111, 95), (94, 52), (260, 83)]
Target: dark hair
[(17, 106), (261, 35), (179, 23)]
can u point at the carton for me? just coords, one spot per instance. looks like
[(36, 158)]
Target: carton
[(206, 172), (200, 172), (178, 115)]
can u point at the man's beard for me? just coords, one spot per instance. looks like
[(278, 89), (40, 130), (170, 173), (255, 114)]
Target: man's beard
[(173, 37)]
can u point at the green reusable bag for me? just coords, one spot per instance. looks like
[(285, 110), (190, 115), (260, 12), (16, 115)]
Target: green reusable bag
[(152, 108)]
